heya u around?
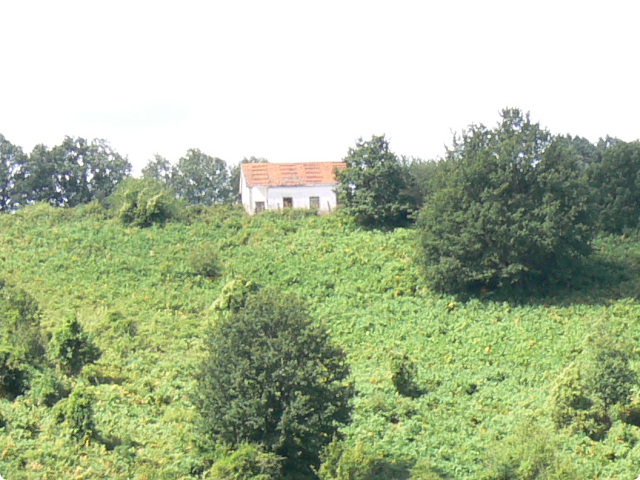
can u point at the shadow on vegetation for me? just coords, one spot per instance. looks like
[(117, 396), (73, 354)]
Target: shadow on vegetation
[(598, 280)]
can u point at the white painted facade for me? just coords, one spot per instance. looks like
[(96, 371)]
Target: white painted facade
[(276, 197)]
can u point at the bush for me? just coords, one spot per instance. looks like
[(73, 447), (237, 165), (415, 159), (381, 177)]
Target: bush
[(510, 211), (247, 462), (143, 202), (71, 348), (404, 374), (77, 414), (530, 452), (272, 377), (593, 389), (205, 261), (22, 347), (363, 462)]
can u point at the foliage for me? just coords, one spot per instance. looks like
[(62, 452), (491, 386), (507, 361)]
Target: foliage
[(71, 348), (246, 462), (616, 183), (360, 462), (11, 157), (143, 202), (72, 173), (404, 378), (21, 343), (201, 179), (373, 186), (205, 261), (512, 211), (78, 415), (159, 170), (273, 377), (585, 395), (530, 453), (485, 365)]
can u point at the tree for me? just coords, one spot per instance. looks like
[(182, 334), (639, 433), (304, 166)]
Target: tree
[(159, 169), (272, 377), (373, 186), (511, 210), (36, 179), (11, 157), (615, 182), (105, 169), (200, 179), (72, 173)]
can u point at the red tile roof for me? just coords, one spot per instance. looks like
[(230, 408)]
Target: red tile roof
[(291, 174)]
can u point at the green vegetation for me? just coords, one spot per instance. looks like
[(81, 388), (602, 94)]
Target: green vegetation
[(147, 333), (273, 378), (511, 210), (374, 187), (445, 388)]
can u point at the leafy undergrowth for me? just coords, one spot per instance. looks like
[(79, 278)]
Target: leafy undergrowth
[(476, 373)]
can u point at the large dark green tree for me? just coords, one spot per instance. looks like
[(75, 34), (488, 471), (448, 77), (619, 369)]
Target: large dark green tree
[(510, 209), (373, 188), (615, 181), (273, 377)]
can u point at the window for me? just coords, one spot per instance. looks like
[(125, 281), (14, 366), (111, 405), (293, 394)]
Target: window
[(314, 203), (259, 207), (287, 202)]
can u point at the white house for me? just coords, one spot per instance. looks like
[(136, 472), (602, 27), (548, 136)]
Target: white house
[(272, 186)]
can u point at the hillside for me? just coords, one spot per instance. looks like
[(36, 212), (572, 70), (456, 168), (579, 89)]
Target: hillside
[(484, 368)]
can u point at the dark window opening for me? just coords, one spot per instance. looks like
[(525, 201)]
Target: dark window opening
[(314, 202), (287, 202), (259, 207)]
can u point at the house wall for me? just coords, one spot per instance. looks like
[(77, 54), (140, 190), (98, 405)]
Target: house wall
[(300, 196), (273, 196)]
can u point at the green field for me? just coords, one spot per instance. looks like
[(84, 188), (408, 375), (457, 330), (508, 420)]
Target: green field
[(484, 366)]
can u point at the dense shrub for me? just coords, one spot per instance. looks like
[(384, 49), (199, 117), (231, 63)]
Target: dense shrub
[(143, 202), (510, 210), (530, 453), (404, 378), (71, 348), (364, 462), (205, 261), (22, 347), (273, 377), (246, 462), (78, 416), (586, 396)]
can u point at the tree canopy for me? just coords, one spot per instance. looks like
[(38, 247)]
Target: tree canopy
[(273, 377), (615, 183), (373, 186), (510, 211)]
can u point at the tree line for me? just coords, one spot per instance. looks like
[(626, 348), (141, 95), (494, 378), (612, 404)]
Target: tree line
[(509, 206), (79, 171)]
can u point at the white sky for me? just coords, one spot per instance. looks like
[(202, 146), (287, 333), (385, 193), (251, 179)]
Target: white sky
[(301, 81)]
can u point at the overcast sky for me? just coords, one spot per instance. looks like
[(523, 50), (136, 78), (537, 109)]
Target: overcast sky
[(301, 80)]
